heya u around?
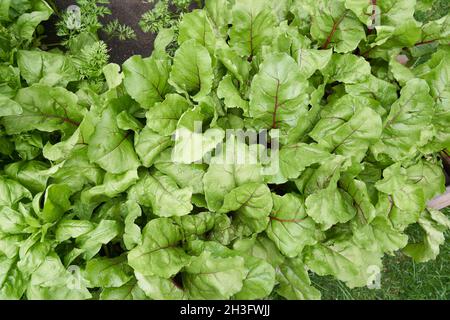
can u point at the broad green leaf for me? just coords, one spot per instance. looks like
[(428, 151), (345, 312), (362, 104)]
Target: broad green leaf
[(192, 72), (28, 145), (32, 254), (112, 186), (126, 121), (161, 193), (196, 25), (434, 224), (234, 166), (51, 281), (129, 291), (359, 194), (107, 272), (408, 125), (13, 282), (9, 107), (231, 95), (55, 202), (164, 116), (238, 67), (197, 224), (63, 149), (347, 68), (163, 39), (46, 68), (332, 25), (159, 255), (145, 79), (27, 23), (115, 154), (158, 288), (113, 75), (219, 12), (91, 242), (406, 197), (132, 233), (46, 109), (260, 247), (67, 229), (185, 175), (223, 232), (290, 228), (380, 235), (12, 221), (395, 12), (31, 174), (428, 176), (311, 60), (11, 192), (253, 25), (348, 128), (375, 88), (77, 171), (209, 277), (294, 281), (345, 261), (279, 93), (259, 281), (297, 157), (149, 145), (330, 206), (191, 147), (439, 83), (437, 30), (391, 39), (251, 204)]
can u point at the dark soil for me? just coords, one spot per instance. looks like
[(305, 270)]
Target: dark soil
[(128, 12)]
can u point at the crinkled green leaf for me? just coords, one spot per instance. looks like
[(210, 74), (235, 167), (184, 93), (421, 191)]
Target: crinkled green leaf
[(161, 193), (209, 277), (253, 23), (434, 224), (279, 93), (197, 25), (105, 272), (46, 68), (159, 255), (290, 228), (408, 124), (46, 109), (251, 204), (332, 25), (115, 154), (294, 282), (146, 79), (192, 71)]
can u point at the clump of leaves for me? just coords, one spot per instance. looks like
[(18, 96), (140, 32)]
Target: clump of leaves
[(120, 179), (86, 19), (114, 29), (165, 14), (19, 27), (431, 10), (73, 23), (80, 27), (92, 59)]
